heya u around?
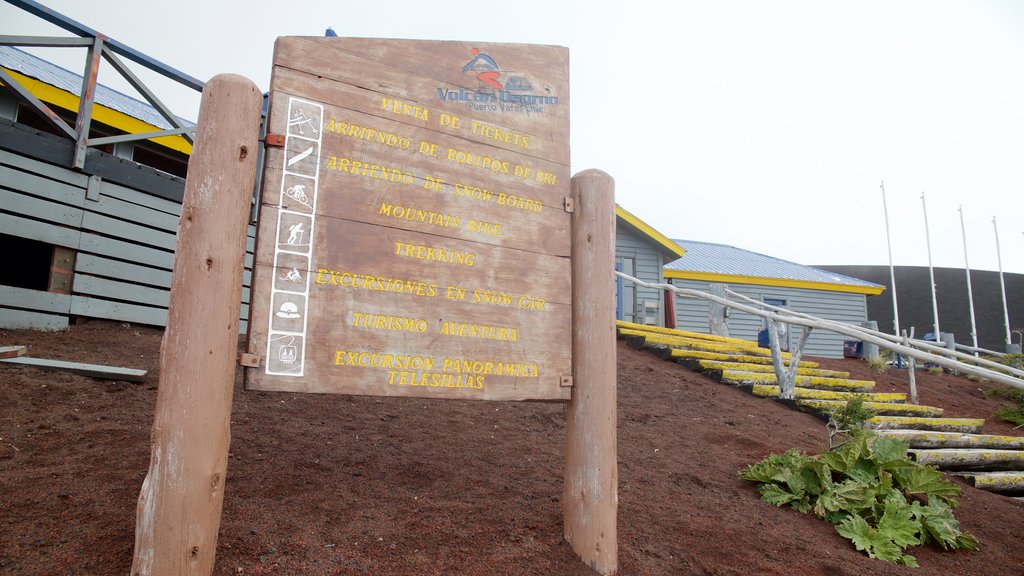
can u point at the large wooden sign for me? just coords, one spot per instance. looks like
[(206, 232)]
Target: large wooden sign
[(414, 233)]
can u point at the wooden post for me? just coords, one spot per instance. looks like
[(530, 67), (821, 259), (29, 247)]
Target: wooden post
[(786, 391), (179, 508), (911, 368), (591, 499), (794, 360)]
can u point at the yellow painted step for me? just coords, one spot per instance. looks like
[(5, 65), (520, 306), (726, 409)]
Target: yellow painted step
[(969, 458), (680, 354), (820, 382), (770, 391), (751, 367), (883, 408), (1006, 481), (936, 439), (694, 344), (680, 333), (965, 425)]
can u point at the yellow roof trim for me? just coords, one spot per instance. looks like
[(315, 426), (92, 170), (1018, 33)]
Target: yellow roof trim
[(64, 99), (651, 233), (781, 282)]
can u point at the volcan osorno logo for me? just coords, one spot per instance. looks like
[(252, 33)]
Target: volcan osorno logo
[(499, 90)]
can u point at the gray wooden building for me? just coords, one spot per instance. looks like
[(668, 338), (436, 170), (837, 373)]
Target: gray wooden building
[(96, 241), (641, 252), (821, 293)]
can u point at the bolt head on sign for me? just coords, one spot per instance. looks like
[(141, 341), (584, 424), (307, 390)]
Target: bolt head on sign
[(413, 238)]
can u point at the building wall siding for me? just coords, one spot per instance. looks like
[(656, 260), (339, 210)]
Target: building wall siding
[(692, 313), (123, 239), (649, 264)]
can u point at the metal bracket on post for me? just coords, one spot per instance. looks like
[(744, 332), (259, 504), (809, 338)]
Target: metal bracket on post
[(275, 140), (249, 360), (569, 204)]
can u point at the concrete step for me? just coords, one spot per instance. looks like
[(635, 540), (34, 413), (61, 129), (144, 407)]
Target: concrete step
[(1009, 481), (973, 459), (819, 382), (707, 365), (684, 356), (931, 439), (882, 408), (771, 391), (964, 425)]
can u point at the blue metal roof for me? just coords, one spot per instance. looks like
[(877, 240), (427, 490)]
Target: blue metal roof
[(49, 73), (710, 258)]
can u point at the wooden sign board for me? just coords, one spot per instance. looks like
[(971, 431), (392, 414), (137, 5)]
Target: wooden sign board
[(414, 234)]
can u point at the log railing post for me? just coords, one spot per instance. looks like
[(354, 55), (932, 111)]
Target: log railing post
[(179, 508), (591, 499)]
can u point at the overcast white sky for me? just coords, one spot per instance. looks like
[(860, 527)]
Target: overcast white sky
[(767, 125)]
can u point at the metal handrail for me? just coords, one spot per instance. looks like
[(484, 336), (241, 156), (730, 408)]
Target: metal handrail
[(98, 45)]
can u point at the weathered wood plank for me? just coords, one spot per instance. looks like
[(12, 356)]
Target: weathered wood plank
[(39, 208), (41, 231), (12, 351), (91, 370), (15, 319), (38, 300), (99, 308), (29, 183), (114, 248), (99, 266), (51, 171), (109, 289), (345, 61), (113, 190), (114, 227), (135, 213)]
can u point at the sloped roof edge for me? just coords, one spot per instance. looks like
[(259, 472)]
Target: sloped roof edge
[(666, 244), (712, 262)]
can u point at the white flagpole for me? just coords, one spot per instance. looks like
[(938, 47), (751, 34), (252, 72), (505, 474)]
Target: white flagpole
[(931, 270), (967, 268), (1002, 285), (892, 271)]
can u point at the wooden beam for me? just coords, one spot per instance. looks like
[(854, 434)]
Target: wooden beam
[(91, 370), (11, 351)]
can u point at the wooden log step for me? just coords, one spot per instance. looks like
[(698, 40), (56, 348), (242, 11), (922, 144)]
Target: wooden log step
[(771, 391), (1011, 481), (692, 344), (705, 365), (622, 324), (969, 458), (12, 351), (882, 408), (820, 382), (91, 370), (933, 439), (684, 356), (965, 425)]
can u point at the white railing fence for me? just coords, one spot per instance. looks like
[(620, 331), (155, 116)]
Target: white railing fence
[(917, 349)]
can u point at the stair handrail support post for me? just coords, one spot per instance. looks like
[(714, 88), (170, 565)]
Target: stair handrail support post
[(786, 391), (179, 508), (794, 360), (590, 499), (911, 367)]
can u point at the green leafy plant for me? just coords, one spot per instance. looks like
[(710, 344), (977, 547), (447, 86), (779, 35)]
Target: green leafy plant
[(871, 491), (1012, 414), (936, 371), (852, 415)]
